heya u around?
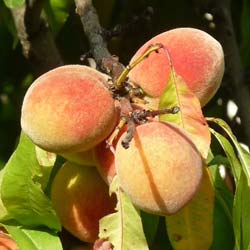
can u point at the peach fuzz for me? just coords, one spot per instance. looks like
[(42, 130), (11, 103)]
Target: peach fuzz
[(68, 109), (81, 198), (197, 57), (161, 170)]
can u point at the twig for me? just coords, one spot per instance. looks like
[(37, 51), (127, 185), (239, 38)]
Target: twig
[(92, 28), (37, 41), (224, 32)]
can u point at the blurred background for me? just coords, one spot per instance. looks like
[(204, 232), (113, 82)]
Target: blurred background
[(132, 23)]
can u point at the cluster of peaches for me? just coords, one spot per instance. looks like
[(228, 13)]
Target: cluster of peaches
[(70, 111)]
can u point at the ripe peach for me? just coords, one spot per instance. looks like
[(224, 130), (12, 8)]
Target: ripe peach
[(161, 170), (85, 158), (68, 109), (196, 56), (81, 198)]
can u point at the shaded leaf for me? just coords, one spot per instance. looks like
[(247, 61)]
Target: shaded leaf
[(30, 239), (192, 227), (150, 224), (123, 229), (21, 195), (223, 225), (190, 116)]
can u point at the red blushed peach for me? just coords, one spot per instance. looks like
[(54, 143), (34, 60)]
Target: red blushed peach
[(6, 242), (68, 109), (161, 170), (81, 198), (197, 57)]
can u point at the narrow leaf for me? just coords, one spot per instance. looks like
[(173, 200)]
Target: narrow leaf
[(30, 239), (244, 156), (21, 195), (229, 151), (190, 116), (123, 228), (192, 227)]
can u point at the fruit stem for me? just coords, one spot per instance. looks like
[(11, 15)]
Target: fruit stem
[(124, 74)]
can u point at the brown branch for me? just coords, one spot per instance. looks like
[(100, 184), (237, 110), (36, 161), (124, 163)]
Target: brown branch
[(37, 41), (224, 32), (92, 28)]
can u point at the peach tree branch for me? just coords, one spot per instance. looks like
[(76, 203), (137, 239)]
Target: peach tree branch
[(92, 28), (37, 41)]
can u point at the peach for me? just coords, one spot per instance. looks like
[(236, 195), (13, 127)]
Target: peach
[(161, 170), (81, 198), (85, 158), (196, 56), (68, 109), (6, 242)]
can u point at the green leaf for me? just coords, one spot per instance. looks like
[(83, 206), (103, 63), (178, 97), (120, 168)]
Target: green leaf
[(230, 153), (241, 208), (223, 225), (192, 227), (4, 215), (190, 116), (123, 228), (21, 195), (30, 239), (14, 3), (244, 156), (57, 12), (150, 224), (46, 161)]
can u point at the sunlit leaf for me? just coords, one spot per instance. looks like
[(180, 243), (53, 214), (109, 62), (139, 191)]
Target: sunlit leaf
[(57, 12), (192, 227), (123, 228), (244, 156), (46, 161), (21, 195), (190, 116), (14, 3), (30, 239), (230, 153)]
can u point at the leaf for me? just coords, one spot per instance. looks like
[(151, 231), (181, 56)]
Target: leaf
[(192, 227), (46, 161), (4, 215), (190, 116), (21, 195), (57, 12), (124, 227), (229, 151), (223, 225), (150, 224), (241, 208), (30, 239), (12, 4), (244, 156)]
